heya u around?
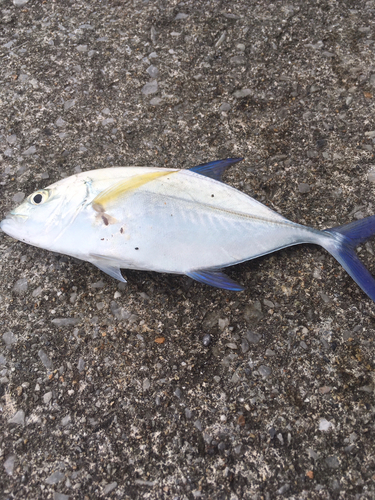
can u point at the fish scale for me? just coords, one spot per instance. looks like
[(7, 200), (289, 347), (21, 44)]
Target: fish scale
[(174, 221)]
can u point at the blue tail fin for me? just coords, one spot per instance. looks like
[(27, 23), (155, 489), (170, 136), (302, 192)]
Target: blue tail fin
[(346, 238)]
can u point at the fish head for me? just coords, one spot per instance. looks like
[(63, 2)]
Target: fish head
[(44, 215)]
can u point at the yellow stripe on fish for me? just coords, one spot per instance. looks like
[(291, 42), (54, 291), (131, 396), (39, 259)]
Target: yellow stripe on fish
[(100, 203)]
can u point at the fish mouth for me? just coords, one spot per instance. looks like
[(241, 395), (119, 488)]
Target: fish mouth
[(11, 222), (14, 216)]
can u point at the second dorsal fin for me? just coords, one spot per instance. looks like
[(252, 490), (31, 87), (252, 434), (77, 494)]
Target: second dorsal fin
[(215, 169)]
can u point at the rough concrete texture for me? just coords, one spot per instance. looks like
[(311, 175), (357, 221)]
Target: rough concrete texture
[(164, 387)]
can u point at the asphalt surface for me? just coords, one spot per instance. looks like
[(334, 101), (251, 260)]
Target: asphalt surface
[(164, 387)]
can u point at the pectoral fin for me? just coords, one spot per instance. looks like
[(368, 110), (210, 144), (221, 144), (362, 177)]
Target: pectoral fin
[(105, 265), (215, 278)]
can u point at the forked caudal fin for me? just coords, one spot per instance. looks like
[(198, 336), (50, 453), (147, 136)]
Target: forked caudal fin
[(345, 239)]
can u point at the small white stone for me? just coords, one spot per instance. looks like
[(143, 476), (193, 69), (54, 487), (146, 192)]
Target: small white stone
[(324, 425)]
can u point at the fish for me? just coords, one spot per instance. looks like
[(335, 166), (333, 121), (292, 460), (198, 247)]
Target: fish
[(179, 221)]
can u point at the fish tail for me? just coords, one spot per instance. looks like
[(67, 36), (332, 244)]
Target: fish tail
[(342, 246)]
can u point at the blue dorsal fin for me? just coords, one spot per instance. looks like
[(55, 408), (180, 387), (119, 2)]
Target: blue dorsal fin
[(215, 169), (215, 277)]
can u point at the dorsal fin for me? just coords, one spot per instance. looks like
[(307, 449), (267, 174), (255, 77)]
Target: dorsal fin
[(215, 169), (120, 188)]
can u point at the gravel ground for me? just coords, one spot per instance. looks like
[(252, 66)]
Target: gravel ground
[(164, 387)]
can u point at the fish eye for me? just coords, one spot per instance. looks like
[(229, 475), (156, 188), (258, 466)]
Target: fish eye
[(39, 197)]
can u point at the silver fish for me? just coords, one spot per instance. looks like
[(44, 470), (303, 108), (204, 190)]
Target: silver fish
[(173, 221)]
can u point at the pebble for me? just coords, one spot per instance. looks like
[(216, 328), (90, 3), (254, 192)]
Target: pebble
[(37, 291), (118, 311), (188, 413), (109, 487), (253, 338), (270, 352), (150, 88), (18, 197), (9, 464), (20, 285), (47, 397), (332, 462), (283, 489), (198, 425), (244, 345), (312, 153), (253, 312), (2, 360), (11, 139), (82, 48), (55, 477), (313, 454), (231, 345), (81, 365), (20, 3), (225, 106), (29, 151), (65, 321), (178, 393), (238, 60), (60, 122), (242, 93), (155, 101), (60, 496), (223, 323), (45, 359), (206, 340), (181, 15), (18, 418), (152, 71), (324, 425), (268, 303), (69, 104), (66, 420), (265, 371), (146, 384), (303, 188), (9, 338), (324, 297)]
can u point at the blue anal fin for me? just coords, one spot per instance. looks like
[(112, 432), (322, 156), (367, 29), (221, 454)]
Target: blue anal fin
[(215, 169), (215, 278)]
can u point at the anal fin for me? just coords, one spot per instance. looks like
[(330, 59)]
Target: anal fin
[(215, 277)]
